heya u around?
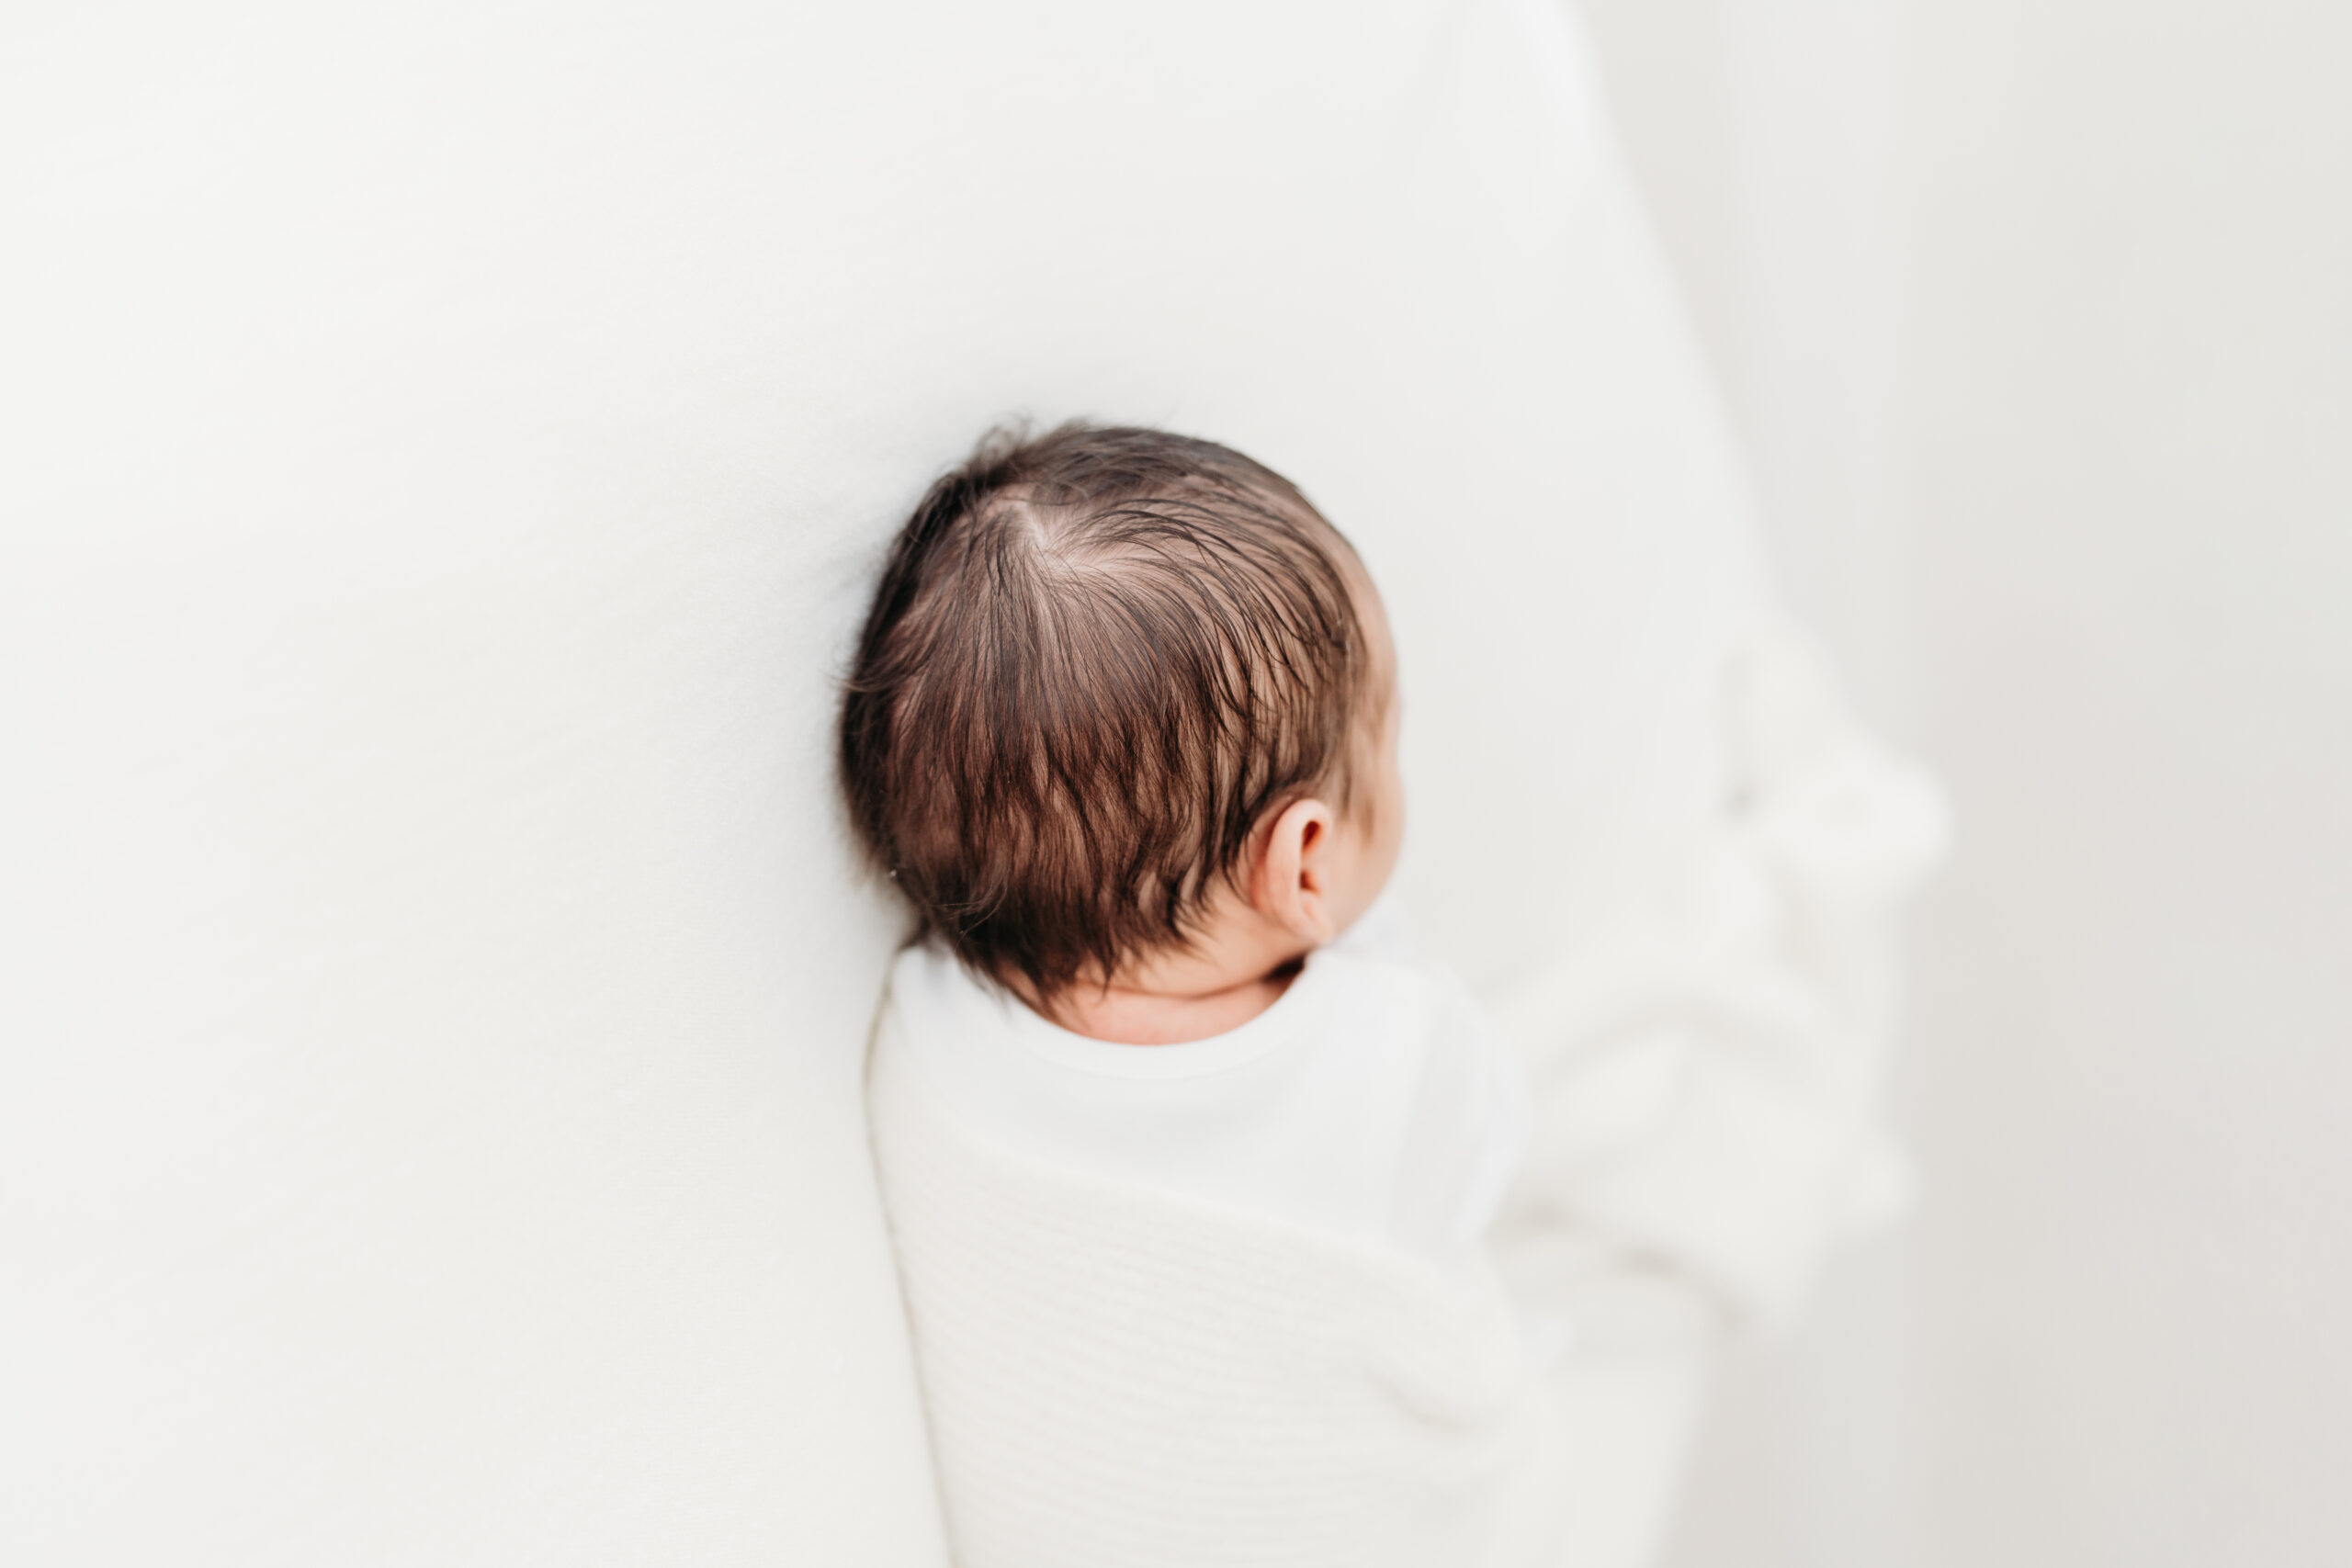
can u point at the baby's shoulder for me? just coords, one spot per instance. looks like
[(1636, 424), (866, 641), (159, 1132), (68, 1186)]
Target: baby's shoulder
[(1411, 1007)]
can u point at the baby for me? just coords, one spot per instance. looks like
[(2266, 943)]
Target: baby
[(1162, 1100), (1122, 728)]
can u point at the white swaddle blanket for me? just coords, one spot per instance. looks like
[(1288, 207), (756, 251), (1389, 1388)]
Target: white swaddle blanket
[(1121, 1375)]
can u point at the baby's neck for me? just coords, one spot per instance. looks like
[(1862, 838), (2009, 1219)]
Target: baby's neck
[(1234, 964), (1159, 1014)]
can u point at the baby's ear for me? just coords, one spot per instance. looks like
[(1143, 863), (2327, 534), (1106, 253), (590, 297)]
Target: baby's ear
[(1290, 881)]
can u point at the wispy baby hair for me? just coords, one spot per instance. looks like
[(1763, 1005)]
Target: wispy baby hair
[(1096, 659)]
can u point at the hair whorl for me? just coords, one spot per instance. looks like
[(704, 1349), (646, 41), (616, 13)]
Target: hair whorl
[(1094, 661)]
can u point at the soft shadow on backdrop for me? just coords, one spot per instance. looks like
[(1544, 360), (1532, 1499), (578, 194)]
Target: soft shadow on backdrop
[(2037, 322)]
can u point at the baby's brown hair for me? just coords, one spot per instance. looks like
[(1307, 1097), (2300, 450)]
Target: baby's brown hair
[(1095, 661)]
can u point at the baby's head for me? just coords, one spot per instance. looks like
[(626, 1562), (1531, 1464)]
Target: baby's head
[(1124, 715)]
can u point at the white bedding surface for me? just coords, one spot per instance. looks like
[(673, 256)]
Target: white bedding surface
[(447, 453)]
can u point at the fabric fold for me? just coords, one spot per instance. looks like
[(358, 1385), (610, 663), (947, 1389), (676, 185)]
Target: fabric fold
[(1705, 1102)]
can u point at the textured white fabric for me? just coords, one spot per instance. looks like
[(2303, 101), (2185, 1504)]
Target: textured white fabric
[(1372, 1101), (1705, 1090), (1122, 1375)]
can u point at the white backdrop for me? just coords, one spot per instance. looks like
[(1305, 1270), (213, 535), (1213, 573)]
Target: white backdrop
[(445, 447), (2036, 317)]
